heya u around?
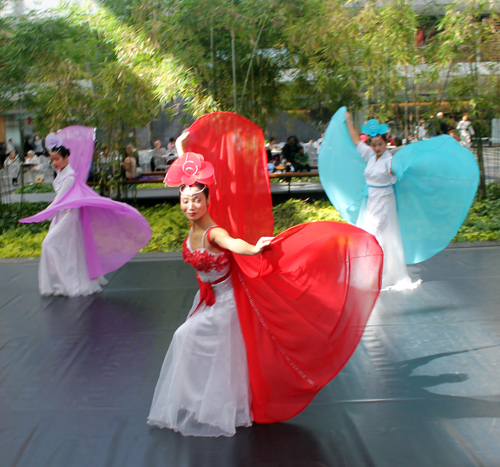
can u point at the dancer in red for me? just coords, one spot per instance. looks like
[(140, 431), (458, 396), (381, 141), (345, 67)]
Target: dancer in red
[(273, 322)]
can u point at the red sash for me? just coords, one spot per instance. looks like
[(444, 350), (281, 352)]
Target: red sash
[(207, 294)]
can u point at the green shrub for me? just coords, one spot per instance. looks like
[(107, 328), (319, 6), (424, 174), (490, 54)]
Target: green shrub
[(35, 188), (483, 219), (11, 213), (295, 211), (142, 186), (169, 227)]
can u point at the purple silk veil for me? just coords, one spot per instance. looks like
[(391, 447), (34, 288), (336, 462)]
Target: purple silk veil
[(113, 232)]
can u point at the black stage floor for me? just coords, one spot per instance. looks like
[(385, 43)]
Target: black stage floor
[(422, 389)]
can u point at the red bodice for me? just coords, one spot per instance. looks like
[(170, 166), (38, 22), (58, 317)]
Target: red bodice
[(205, 261)]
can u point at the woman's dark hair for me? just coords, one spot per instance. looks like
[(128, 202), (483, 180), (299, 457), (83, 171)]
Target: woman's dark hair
[(201, 188), (384, 137), (172, 140), (61, 150)]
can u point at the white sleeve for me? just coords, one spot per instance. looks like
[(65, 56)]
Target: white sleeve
[(364, 151), (66, 185)]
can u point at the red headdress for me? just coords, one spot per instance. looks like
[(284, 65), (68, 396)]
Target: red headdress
[(188, 169)]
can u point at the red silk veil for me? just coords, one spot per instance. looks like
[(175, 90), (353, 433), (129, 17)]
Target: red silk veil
[(240, 198), (304, 303)]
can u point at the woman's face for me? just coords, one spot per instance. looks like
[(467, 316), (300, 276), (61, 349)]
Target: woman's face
[(58, 162), (378, 145), (194, 204)]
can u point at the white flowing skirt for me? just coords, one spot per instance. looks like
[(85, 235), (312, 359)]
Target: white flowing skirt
[(379, 216), (204, 389), (63, 266)]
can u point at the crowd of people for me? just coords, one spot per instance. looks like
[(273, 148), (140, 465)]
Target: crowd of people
[(292, 155), (131, 162), (463, 131), (33, 158)]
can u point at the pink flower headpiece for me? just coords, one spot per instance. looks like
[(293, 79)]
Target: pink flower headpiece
[(188, 169)]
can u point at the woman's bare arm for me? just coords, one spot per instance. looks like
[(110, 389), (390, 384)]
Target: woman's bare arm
[(237, 245), (352, 131)]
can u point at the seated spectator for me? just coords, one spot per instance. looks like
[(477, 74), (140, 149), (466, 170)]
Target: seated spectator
[(38, 146), (289, 152), (130, 151), (271, 144), (11, 159), (27, 145), (31, 158), (271, 161), (302, 161), (104, 157), (130, 165), (171, 144), (14, 163), (31, 172), (10, 147), (157, 151)]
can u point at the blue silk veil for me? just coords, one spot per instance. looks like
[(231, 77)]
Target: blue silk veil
[(437, 181)]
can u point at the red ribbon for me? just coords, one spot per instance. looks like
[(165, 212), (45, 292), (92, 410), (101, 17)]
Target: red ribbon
[(207, 294)]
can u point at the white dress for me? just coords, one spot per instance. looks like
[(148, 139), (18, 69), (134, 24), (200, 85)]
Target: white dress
[(379, 216), (204, 389), (63, 266)]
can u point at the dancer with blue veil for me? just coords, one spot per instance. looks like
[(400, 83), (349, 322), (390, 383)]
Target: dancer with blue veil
[(413, 202)]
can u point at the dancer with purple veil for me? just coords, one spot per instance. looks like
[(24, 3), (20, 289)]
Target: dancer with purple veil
[(89, 235)]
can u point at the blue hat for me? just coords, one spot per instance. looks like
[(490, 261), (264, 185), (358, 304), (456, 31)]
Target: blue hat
[(372, 128)]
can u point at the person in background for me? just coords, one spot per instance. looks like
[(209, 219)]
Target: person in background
[(302, 161), (10, 147), (130, 166), (466, 132), (157, 151), (289, 152), (170, 145), (11, 159), (27, 145), (31, 172), (421, 130), (38, 146), (130, 151), (442, 126)]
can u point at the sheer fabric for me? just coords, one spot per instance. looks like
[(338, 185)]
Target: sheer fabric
[(241, 195), (436, 183), (63, 268), (112, 232), (304, 302)]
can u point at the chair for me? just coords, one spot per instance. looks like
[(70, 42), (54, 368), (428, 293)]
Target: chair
[(44, 169), (169, 158), (159, 163), (13, 171), (145, 159), (5, 186)]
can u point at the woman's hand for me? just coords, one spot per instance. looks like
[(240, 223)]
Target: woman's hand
[(352, 131), (262, 243), (181, 143)]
